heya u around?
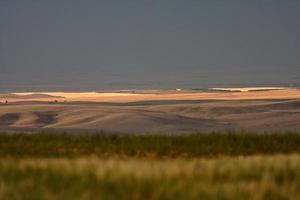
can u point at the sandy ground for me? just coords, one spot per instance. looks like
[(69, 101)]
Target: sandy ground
[(154, 111)]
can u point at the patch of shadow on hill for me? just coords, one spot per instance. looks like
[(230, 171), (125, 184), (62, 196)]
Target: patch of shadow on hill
[(9, 119), (46, 118), (141, 103), (286, 105), (189, 124), (166, 102)]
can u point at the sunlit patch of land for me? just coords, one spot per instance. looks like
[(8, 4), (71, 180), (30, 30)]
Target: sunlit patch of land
[(248, 89), (143, 95)]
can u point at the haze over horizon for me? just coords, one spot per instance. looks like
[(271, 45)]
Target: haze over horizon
[(95, 45)]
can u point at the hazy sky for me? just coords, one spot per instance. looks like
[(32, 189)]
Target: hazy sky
[(109, 44)]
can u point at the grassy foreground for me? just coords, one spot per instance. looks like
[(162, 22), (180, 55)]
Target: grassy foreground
[(255, 177), (101, 145), (212, 166)]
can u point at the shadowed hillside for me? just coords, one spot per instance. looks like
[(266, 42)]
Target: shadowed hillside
[(164, 116)]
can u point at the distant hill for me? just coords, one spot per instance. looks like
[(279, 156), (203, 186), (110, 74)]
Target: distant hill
[(27, 96)]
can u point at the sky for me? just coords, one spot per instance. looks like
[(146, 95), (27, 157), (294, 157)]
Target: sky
[(148, 44)]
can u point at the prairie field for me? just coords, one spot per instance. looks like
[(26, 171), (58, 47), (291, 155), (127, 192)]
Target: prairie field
[(254, 177), (156, 144), (154, 111), (57, 145), (104, 166)]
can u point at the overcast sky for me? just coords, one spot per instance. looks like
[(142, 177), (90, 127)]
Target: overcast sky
[(109, 44)]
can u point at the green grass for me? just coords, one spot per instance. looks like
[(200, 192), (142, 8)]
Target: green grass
[(255, 177), (195, 145), (197, 166)]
